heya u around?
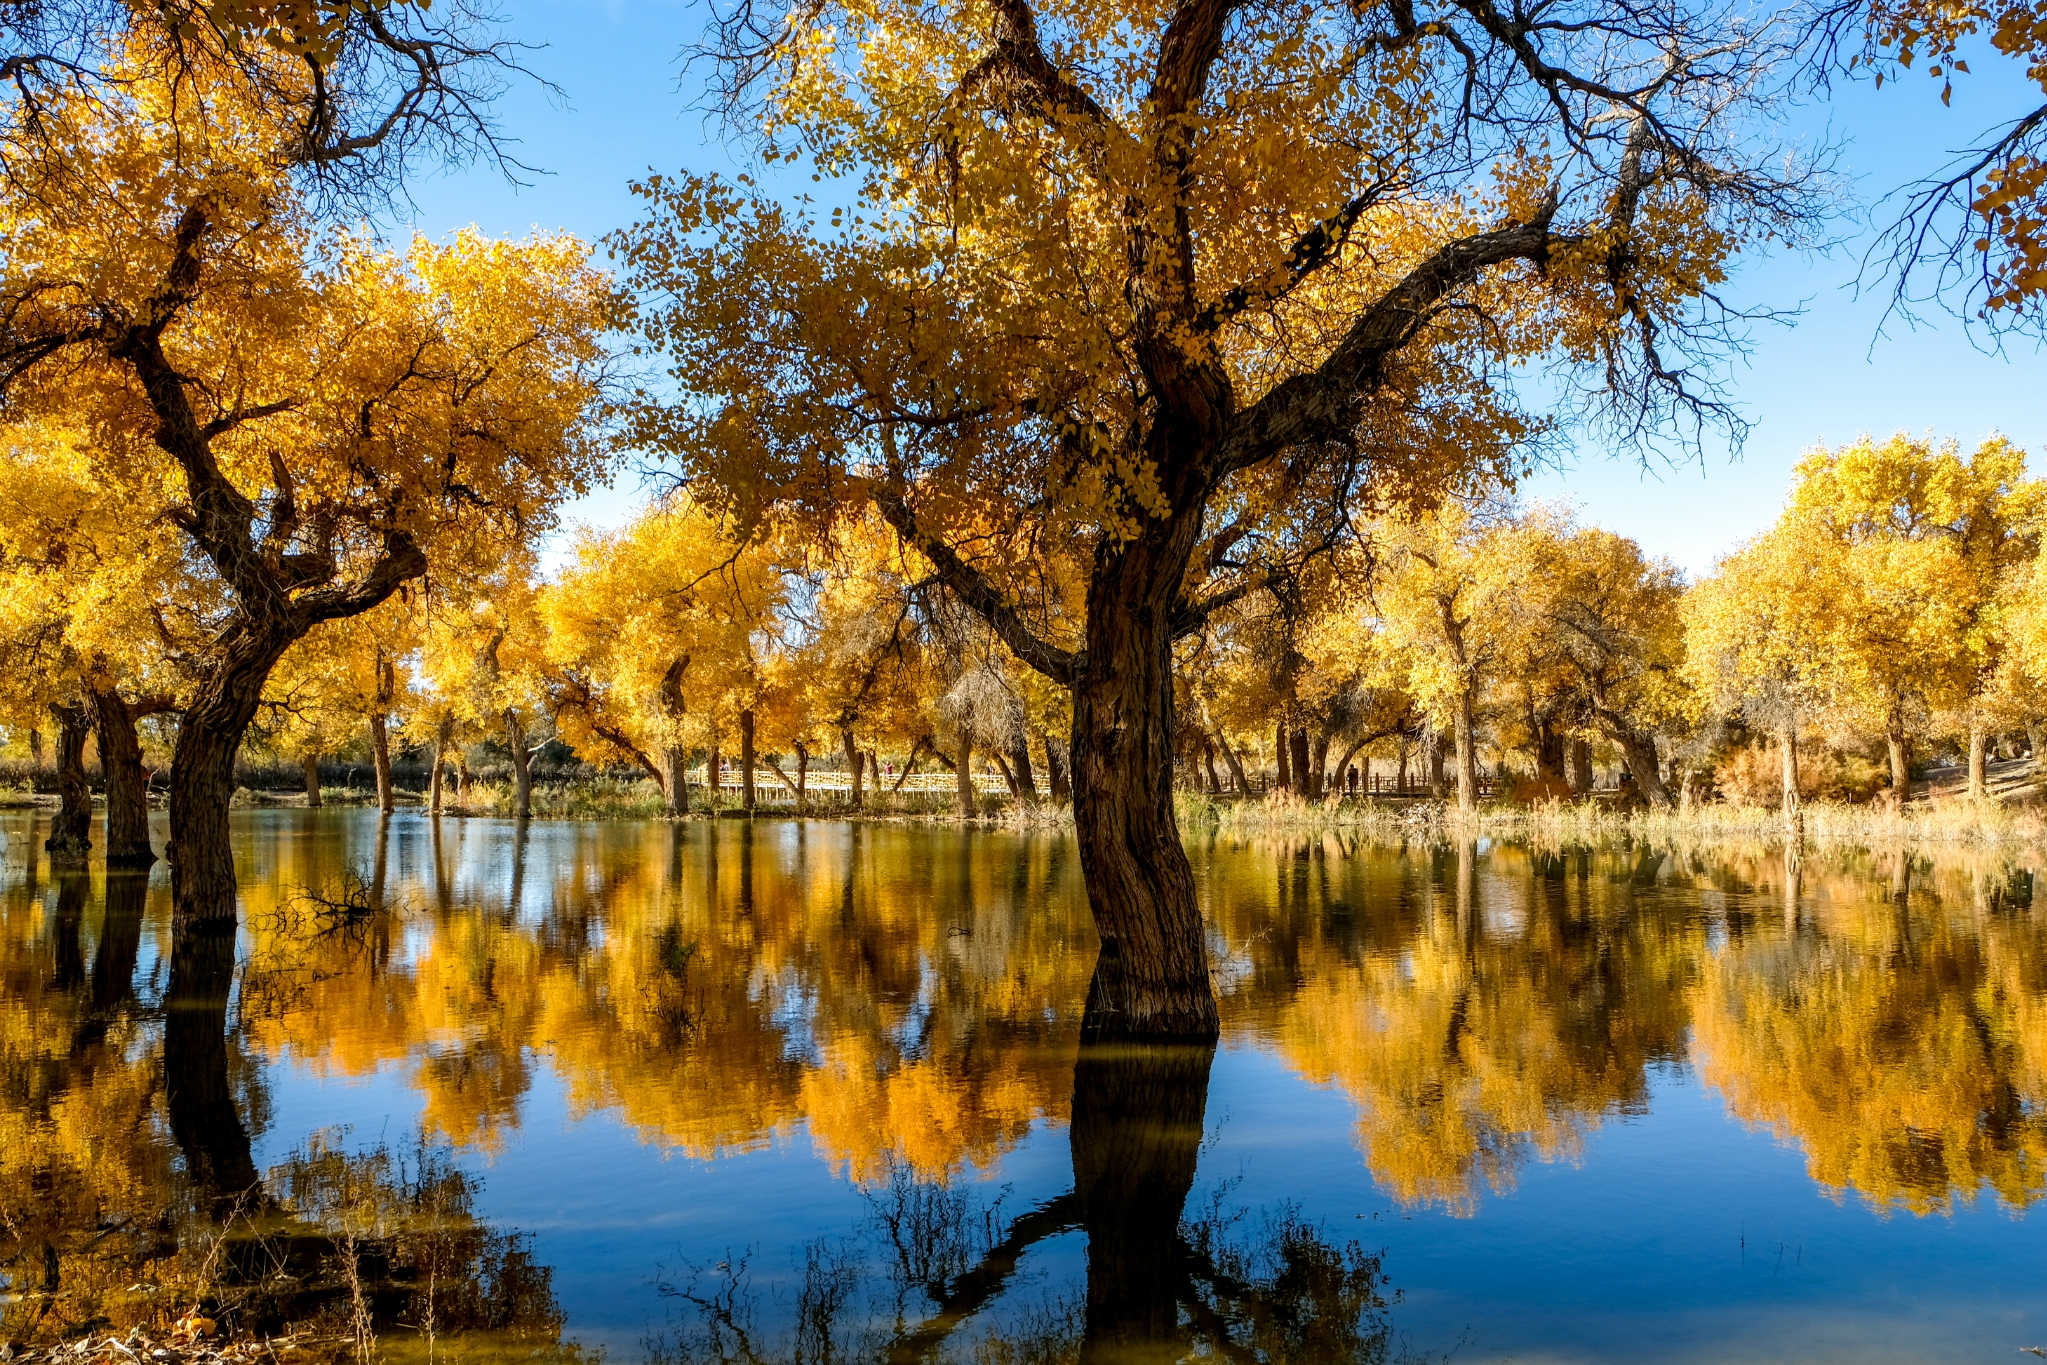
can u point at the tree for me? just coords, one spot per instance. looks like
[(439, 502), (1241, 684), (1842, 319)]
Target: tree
[(1446, 596), (1614, 616), (369, 403), (1111, 274), (1915, 542), (97, 625), (653, 638), (1754, 638), (164, 274)]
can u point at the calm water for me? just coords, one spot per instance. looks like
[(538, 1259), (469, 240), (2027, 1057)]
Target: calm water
[(717, 1093)]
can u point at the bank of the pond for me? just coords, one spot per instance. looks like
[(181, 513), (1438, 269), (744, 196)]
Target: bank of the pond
[(1940, 814)]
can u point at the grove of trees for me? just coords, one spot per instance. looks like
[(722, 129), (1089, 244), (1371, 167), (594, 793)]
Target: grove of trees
[(1150, 397)]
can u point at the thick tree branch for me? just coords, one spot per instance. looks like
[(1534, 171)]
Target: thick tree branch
[(973, 588), (1322, 405)]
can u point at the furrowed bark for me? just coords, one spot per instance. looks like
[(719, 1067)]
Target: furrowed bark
[(380, 759), (674, 776), (127, 827), (1297, 758), (71, 831), (1151, 980), (202, 774), (1467, 754), (1020, 762)]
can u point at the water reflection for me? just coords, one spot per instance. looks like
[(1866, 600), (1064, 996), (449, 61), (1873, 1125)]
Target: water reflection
[(903, 1004)]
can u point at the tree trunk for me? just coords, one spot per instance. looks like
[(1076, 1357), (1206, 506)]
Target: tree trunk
[(444, 735), (675, 778), (802, 778), (522, 764), (71, 831), (1237, 778), (852, 753), (1467, 754), (1437, 786), (1020, 761), (1283, 780), (1787, 744), (963, 772), (203, 774), (1640, 751), (714, 778), (127, 790), (380, 732), (35, 747), (1151, 979), (1215, 781), (1318, 768), (2036, 739), (746, 798), (1900, 745), (1979, 742), (1055, 771), (380, 760), (1581, 767)]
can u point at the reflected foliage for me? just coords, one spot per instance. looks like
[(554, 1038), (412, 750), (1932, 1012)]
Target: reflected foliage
[(905, 1002)]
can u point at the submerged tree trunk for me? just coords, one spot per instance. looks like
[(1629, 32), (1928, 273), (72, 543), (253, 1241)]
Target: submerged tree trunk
[(71, 831), (127, 826), (1151, 979), (522, 764), (311, 763), (746, 796), (203, 776)]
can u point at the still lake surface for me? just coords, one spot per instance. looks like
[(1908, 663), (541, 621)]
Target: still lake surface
[(809, 1091)]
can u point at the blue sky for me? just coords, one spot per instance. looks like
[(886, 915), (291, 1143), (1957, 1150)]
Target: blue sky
[(628, 106)]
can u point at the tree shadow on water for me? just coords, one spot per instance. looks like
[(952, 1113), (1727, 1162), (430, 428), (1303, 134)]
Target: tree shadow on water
[(937, 1275)]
